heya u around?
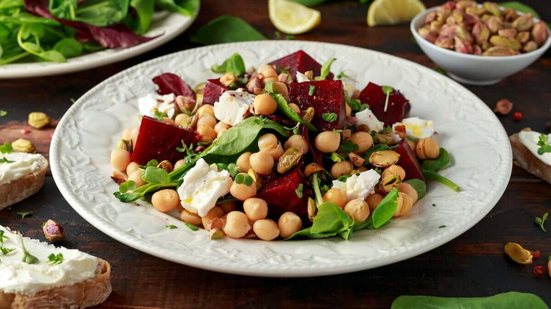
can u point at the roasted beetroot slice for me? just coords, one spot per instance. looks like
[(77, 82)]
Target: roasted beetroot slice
[(171, 83), (327, 97), (398, 105), (213, 90), (408, 161), (298, 61), (158, 140), (279, 193)]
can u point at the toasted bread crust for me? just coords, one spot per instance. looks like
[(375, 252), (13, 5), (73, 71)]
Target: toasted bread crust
[(23, 187), (525, 159), (88, 293)]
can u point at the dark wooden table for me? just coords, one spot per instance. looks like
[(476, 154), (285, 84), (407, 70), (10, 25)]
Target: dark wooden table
[(471, 265)]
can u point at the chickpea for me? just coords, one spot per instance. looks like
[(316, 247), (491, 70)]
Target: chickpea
[(363, 140), (182, 120), (395, 170), (409, 190), (298, 142), (412, 144), (357, 209), (255, 208), (295, 108), (245, 189), (281, 88), (206, 133), (427, 148), (190, 218), (267, 70), (262, 163), (237, 225), (335, 196), (341, 168), (264, 104), (127, 134), (206, 120), (120, 159), (165, 200), (289, 223), (136, 177), (179, 163), (374, 200), (327, 141), (404, 205), (243, 162), (267, 142), (266, 229), (205, 109), (132, 167), (276, 152), (221, 126)]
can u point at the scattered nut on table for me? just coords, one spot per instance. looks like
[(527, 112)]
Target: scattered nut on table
[(503, 107), (38, 120), (53, 231), (518, 254)]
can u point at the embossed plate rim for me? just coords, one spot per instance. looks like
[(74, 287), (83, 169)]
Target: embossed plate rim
[(273, 251)]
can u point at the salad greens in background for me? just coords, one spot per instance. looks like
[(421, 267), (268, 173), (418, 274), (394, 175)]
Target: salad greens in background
[(54, 30), (508, 300)]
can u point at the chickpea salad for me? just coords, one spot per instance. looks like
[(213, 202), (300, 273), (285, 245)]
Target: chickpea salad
[(284, 151)]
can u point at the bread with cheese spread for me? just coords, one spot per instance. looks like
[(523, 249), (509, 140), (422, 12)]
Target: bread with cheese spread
[(21, 175), (526, 159)]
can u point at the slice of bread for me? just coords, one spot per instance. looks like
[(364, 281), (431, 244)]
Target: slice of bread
[(88, 293), (24, 186), (526, 160)]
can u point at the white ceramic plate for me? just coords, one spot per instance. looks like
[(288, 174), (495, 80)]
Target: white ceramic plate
[(165, 25), (467, 128)]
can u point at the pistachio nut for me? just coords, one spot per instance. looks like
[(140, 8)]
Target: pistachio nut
[(492, 7), (463, 4), (430, 17), (390, 181), (23, 145), (475, 10), (166, 165), (508, 33), (435, 25), (125, 145), (523, 36), (530, 46), (494, 24), (499, 51), (216, 233), (38, 120), (509, 14), (312, 209), (356, 159), (228, 79), (311, 169), (523, 22), (498, 40), (463, 46), (384, 158), (540, 33), (463, 34), (444, 42), (308, 114), (288, 160), (517, 253), (457, 16), (481, 32)]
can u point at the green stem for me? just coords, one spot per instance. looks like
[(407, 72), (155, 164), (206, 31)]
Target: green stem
[(441, 179), (317, 191)]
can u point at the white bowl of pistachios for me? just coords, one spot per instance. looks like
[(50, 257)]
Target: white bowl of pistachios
[(480, 44)]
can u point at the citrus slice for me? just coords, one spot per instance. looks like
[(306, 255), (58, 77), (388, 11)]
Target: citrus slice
[(391, 12), (291, 17)]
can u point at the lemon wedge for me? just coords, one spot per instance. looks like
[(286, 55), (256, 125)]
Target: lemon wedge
[(291, 17), (391, 12)]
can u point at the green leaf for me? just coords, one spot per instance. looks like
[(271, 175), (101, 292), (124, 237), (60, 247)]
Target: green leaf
[(234, 64), (24, 214), (309, 2), (429, 175), (419, 185), (283, 107), (544, 144), (171, 226), (521, 7), (508, 300), (156, 175), (386, 209), (330, 219), (541, 221), (100, 13), (226, 29), (184, 7), (325, 69), (311, 90), (68, 47), (329, 117), (55, 258), (6, 251), (348, 146), (441, 162), (127, 186), (299, 190), (144, 10), (3, 112), (4, 160), (243, 178), (191, 226), (355, 104)]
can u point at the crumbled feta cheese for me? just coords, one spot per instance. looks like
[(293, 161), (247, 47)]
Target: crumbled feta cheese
[(366, 117), (417, 127), (202, 186), (152, 103), (232, 106), (301, 77), (349, 84), (358, 185)]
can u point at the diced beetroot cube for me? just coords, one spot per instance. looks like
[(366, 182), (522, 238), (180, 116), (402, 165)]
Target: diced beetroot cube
[(408, 161), (398, 105), (213, 90), (327, 97), (158, 140), (280, 194), (171, 83), (298, 61)]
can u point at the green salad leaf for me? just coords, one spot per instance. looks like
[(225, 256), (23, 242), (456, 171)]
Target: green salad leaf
[(234, 64), (184, 7), (508, 300), (226, 29), (386, 209)]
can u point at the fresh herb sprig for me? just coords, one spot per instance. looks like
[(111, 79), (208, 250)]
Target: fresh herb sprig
[(27, 256), (543, 142), (55, 259), (541, 221)]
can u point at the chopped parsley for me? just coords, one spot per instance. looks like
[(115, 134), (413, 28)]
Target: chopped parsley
[(311, 90), (541, 221), (543, 142), (6, 251), (24, 214), (329, 117), (55, 258), (4, 160), (298, 190), (2, 237), (171, 226), (6, 148), (27, 257), (191, 226)]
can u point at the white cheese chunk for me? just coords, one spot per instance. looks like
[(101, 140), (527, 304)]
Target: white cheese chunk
[(417, 127), (152, 103), (232, 106), (530, 140), (366, 117), (17, 276), (349, 84), (358, 185), (202, 186), (15, 165), (301, 77)]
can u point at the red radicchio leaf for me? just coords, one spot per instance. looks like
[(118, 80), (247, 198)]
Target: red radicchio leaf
[(172, 83), (108, 37)]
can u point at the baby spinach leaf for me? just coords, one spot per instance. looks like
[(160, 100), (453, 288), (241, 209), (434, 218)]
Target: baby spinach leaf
[(521, 7), (429, 175), (155, 175), (283, 107), (144, 10), (441, 162), (234, 64), (386, 209), (511, 300), (419, 186), (6, 148), (330, 219), (226, 29), (348, 146), (184, 7), (68, 47)]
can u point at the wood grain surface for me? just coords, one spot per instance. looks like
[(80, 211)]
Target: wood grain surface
[(471, 265)]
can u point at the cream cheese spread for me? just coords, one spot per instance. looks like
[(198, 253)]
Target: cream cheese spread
[(530, 140), (17, 164)]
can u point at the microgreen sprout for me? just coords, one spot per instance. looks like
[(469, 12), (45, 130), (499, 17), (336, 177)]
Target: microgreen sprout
[(541, 221)]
